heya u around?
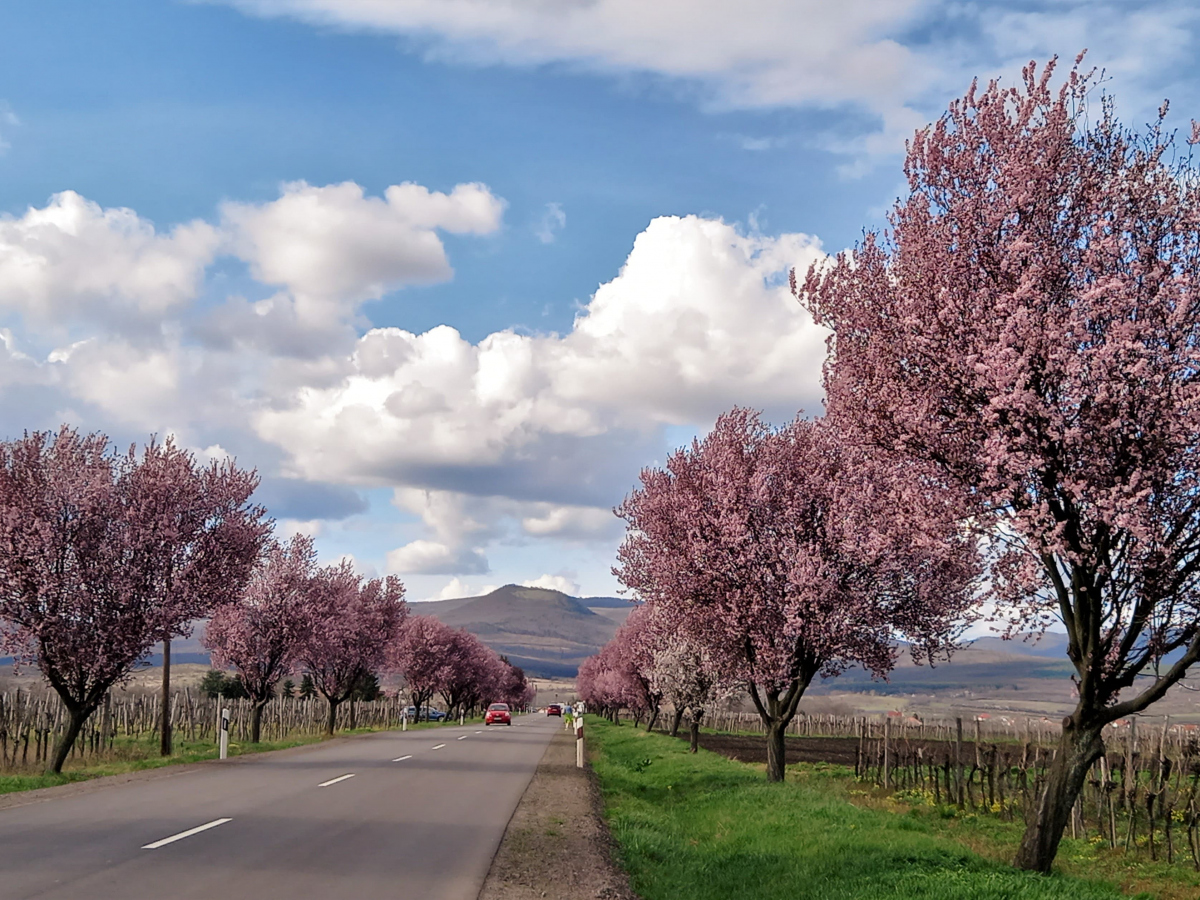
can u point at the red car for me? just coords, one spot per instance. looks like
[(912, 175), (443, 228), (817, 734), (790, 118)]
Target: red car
[(497, 713), (554, 709)]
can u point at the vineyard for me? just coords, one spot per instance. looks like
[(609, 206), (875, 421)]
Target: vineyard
[(31, 723), (1141, 798)]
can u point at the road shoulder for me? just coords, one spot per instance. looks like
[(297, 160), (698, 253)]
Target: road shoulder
[(557, 845)]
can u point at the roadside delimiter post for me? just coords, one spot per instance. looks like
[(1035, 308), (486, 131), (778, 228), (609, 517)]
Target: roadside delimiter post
[(579, 742), (224, 733)]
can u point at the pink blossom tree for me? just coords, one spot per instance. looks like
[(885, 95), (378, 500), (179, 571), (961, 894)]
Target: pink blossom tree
[(1030, 328), (262, 634), (788, 554), (103, 553), (512, 687), (684, 672), (422, 654), (470, 672), (195, 520), (632, 651), (350, 625), (607, 683)]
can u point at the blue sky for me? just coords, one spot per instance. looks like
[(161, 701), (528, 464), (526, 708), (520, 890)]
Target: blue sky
[(449, 272)]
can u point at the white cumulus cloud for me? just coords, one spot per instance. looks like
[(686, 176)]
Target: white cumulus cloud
[(423, 557), (699, 319), (336, 243), (74, 260)]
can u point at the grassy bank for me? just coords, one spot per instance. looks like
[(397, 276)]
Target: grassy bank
[(707, 828)]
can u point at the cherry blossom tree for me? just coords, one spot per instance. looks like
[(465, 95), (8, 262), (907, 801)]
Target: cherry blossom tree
[(103, 553), (789, 554), (512, 687), (1030, 327), (684, 672), (608, 683), (350, 626), (422, 654), (262, 634), (470, 672)]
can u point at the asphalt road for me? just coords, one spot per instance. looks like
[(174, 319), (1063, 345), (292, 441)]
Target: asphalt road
[(390, 815)]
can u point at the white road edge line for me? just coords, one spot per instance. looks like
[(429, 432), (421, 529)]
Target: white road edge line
[(335, 780), (439, 746), (402, 758), (183, 834)]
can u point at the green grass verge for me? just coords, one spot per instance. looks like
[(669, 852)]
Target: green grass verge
[(706, 828)]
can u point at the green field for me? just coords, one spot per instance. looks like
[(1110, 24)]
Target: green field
[(705, 828)]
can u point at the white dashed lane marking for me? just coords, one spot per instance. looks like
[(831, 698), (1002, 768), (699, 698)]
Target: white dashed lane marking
[(439, 746), (402, 758), (183, 834), (335, 780)]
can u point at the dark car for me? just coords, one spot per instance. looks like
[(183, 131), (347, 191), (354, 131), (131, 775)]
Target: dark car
[(497, 714), (554, 709)]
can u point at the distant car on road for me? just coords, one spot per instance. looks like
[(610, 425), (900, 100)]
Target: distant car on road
[(497, 714), (554, 709), (428, 714)]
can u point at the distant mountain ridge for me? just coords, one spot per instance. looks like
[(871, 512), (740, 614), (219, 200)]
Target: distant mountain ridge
[(544, 631)]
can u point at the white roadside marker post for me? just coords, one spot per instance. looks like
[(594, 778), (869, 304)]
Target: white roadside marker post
[(462, 717), (224, 734), (404, 722), (579, 743)]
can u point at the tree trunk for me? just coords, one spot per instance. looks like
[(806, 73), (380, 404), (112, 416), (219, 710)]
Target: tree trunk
[(694, 745), (164, 748), (776, 710), (675, 722), (653, 718), (776, 758), (331, 723), (75, 722), (1078, 749), (256, 720)]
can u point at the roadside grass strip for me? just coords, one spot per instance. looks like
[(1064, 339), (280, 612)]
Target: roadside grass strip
[(185, 834), (702, 827)]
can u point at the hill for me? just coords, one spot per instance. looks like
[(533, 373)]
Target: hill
[(546, 632)]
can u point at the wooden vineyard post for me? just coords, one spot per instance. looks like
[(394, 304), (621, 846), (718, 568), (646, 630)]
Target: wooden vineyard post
[(958, 761), (862, 738), (887, 733)]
